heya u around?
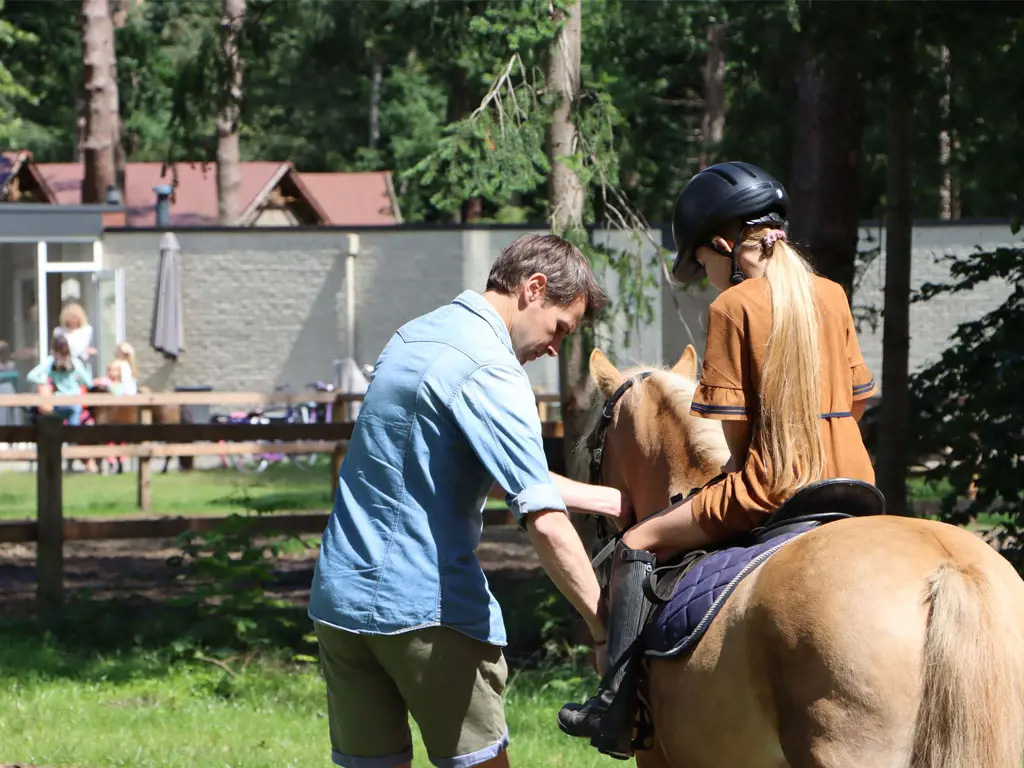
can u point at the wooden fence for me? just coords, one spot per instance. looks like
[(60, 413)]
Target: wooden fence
[(54, 443)]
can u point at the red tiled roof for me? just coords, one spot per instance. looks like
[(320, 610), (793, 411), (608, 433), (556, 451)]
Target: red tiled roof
[(194, 202), (354, 199), (344, 199)]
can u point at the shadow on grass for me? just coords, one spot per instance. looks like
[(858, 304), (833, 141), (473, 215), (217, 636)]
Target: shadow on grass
[(95, 640), (278, 502), (114, 640)]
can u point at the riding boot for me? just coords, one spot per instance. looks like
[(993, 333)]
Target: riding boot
[(607, 719)]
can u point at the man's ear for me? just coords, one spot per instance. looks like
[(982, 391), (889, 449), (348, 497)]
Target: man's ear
[(535, 287)]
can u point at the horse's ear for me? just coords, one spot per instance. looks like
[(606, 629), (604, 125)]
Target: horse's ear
[(605, 374), (687, 365)]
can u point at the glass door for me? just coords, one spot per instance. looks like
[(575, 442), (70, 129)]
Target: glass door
[(108, 311)]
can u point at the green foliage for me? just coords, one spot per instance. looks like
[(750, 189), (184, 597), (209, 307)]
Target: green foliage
[(968, 406), (12, 91), (233, 571)]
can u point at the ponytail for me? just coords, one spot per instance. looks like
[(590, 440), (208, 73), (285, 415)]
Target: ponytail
[(790, 433)]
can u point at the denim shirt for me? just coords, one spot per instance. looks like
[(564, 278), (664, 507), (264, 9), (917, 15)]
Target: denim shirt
[(450, 410)]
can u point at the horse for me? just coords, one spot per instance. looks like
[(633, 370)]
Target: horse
[(130, 414), (871, 641)]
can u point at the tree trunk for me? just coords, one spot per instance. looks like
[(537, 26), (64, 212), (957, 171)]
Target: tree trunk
[(376, 79), (565, 200), (829, 126), (713, 121), (949, 189), (102, 120), (229, 172), (893, 445), (461, 102)]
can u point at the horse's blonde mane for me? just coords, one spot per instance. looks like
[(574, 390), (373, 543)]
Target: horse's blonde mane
[(703, 436)]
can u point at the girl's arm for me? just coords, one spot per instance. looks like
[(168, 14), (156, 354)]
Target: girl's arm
[(84, 377), (737, 435), (41, 372)]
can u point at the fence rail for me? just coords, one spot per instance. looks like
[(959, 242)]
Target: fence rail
[(55, 443)]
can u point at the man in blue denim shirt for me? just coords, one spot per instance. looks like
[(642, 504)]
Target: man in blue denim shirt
[(404, 616)]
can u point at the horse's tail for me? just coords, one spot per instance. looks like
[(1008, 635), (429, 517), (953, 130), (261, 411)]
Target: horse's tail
[(971, 713)]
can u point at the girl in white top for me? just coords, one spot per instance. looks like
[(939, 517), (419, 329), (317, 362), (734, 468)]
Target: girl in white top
[(125, 356), (74, 325)]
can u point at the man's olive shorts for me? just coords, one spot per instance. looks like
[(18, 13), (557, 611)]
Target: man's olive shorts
[(450, 683)]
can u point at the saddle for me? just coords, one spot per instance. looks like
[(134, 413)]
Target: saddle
[(689, 591)]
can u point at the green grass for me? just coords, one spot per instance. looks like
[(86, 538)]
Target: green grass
[(207, 492), (60, 707)]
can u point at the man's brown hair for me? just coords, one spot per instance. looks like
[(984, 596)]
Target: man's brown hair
[(566, 268)]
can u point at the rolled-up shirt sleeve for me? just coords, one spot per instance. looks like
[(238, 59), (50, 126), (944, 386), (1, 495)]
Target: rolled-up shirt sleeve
[(496, 410)]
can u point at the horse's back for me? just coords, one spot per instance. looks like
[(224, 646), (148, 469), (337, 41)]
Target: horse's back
[(844, 615), (819, 652)]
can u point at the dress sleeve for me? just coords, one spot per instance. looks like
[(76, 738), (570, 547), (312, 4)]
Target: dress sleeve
[(725, 391), (863, 382)]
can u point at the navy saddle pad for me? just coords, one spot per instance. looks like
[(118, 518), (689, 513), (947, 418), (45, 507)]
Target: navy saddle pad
[(677, 625)]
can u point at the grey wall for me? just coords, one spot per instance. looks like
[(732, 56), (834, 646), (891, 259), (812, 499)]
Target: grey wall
[(933, 322), (264, 308), (268, 308)]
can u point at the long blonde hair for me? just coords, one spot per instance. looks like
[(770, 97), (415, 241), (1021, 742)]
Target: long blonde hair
[(72, 311), (789, 433), (126, 352)]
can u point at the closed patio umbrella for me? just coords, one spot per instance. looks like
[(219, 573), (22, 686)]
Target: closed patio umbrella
[(168, 334)]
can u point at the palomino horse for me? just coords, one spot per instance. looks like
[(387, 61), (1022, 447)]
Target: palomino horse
[(872, 642)]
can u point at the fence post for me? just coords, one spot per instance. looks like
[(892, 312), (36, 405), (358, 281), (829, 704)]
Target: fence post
[(145, 417), (49, 515), (339, 413)]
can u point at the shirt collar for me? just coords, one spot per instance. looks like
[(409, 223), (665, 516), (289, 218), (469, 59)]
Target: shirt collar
[(479, 306)]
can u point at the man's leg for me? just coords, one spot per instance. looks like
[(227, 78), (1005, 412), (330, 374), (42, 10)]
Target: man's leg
[(369, 721), (452, 684)]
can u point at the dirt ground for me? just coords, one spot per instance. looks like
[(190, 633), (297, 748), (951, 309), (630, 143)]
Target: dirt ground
[(138, 568)]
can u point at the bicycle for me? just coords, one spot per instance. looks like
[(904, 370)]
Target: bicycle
[(309, 412)]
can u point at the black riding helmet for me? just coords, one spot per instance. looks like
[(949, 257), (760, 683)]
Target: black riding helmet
[(715, 196)]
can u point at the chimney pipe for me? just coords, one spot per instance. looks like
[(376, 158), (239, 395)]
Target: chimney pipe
[(163, 205)]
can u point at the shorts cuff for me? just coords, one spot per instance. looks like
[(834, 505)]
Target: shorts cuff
[(389, 761), (473, 758)]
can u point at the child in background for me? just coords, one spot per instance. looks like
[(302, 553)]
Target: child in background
[(64, 374), (6, 364), (124, 355), (8, 385), (113, 381)]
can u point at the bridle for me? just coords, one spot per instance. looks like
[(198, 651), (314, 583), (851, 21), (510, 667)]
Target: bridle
[(606, 535), (595, 443)]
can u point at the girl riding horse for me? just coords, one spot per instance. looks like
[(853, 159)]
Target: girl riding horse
[(783, 371)]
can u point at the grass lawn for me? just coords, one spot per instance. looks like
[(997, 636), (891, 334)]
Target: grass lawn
[(214, 491), (61, 707), (282, 487)]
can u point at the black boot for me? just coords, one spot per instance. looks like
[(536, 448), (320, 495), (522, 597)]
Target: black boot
[(607, 718)]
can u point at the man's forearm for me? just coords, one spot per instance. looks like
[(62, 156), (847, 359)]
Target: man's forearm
[(589, 499), (565, 561)]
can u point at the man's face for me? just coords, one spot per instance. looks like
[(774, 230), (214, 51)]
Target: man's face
[(540, 325)]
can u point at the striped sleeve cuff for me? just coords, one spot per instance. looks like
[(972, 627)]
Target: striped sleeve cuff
[(721, 403), (863, 389)]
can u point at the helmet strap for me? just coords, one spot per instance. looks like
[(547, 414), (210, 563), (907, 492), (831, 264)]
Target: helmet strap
[(737, 275)]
